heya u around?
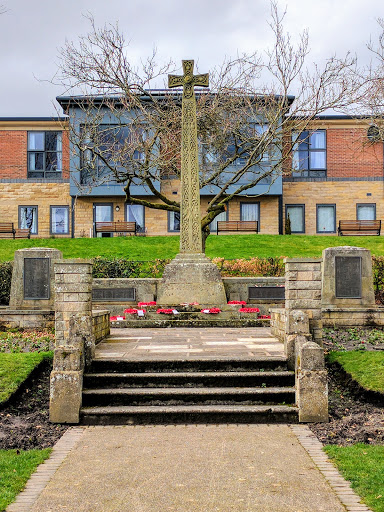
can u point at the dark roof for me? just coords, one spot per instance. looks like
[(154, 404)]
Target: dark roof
[(24, 119)]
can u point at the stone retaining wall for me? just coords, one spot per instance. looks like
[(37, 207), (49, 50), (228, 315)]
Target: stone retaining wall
[(278, 323), (100, 325), (353, 317), (26, 319)]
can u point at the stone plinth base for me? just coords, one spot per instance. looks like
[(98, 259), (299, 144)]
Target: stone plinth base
[(191, 278)]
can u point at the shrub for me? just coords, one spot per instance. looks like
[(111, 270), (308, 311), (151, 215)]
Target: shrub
[(272, 267), (5, 281), (378, 272), (121, 267)]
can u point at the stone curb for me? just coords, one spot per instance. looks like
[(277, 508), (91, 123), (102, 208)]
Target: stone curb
[(340, 486), (44, 472)]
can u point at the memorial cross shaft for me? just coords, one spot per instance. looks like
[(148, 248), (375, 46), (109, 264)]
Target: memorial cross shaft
[(190, 216)]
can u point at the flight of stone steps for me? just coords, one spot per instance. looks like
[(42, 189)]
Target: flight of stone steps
[(121, 392)]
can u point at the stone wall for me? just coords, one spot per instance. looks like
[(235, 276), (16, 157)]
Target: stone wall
[(146, 290), (353, 317), (100, 325), (26, 319), (278, 323), (303, 291)]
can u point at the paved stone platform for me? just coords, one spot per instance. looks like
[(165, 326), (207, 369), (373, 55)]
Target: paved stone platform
[(190, 343), (226, 468)]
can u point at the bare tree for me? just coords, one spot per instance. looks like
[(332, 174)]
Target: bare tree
[(129, 131)]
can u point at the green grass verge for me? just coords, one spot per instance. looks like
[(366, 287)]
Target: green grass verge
[(15, 470), (224, 246), (367, 368), (363, 466), (15, 368)]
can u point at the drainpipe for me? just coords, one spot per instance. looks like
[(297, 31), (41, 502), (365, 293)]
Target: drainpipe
[(281, 215), (73, 217)]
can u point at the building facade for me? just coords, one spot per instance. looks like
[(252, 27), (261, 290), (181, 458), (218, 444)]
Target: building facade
[(337, 173)]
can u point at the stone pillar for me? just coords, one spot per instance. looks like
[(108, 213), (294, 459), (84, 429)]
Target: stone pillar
[(303, 292), (311, 382), (33, 278), (75, 342), (297, 324)]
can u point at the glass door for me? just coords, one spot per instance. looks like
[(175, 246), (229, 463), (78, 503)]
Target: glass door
[(102, 212)]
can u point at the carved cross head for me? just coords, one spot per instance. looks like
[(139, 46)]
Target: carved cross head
[(188, 80)]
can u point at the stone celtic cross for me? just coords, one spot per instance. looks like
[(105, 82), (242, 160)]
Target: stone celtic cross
[(190, 216)]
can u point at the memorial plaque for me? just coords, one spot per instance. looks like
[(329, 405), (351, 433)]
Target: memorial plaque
[(348, 277), (266, 292), (36, 278), (113, 294)]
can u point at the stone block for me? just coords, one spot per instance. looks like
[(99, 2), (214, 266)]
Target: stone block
[(68, 359), (311, 357), (312, 400), (297, 322), (65, 396)]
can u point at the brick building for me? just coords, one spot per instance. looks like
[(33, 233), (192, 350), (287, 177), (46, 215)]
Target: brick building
[(338, 173)]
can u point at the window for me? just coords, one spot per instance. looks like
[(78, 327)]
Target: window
[(28, 218), (115, 144), (366, 211), (59, 220), (325, 218), (221, 216), (250, 211), (44, 154), (296, 214), (173, 221), (310, 154), (135, 213), (253, 133)]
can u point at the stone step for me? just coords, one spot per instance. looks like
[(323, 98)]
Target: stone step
[(195, 379), (187, 365), (191, 396), (212, 321), (177, 414)]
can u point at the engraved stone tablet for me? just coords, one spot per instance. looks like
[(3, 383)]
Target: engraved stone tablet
[(267, 292), (348, 277), (36, 278), (113, 294)]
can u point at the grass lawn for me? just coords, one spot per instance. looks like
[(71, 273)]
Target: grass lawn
[(15, 368), (163, 247), (15, 470), (363, 466), (367, 368)]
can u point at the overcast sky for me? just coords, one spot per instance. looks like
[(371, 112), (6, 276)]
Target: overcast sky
[(32, 31)]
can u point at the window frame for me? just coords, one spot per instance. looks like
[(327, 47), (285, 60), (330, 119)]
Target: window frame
[(66, 207), (126, 214), (302, 206), (310, 172), (365, 204), (259, 211), (170, 212), (45, 152), (37, 216), (317, 217), (94, 205)]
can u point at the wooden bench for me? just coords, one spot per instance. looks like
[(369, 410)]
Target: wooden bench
[(359, 227), (115, 227), (237, 225), (8, 230)]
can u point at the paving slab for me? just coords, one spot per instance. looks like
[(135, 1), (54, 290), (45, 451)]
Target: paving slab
[(189, 343), (188, 468)]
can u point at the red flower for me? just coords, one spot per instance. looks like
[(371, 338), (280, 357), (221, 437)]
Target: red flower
[(249, 310), (141, 304), (116, 318), (133, 311), (165, 311), (265, 317), (240, 302), (212, 311)]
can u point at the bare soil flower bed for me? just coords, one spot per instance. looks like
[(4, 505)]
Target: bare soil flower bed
[(24, 421)]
